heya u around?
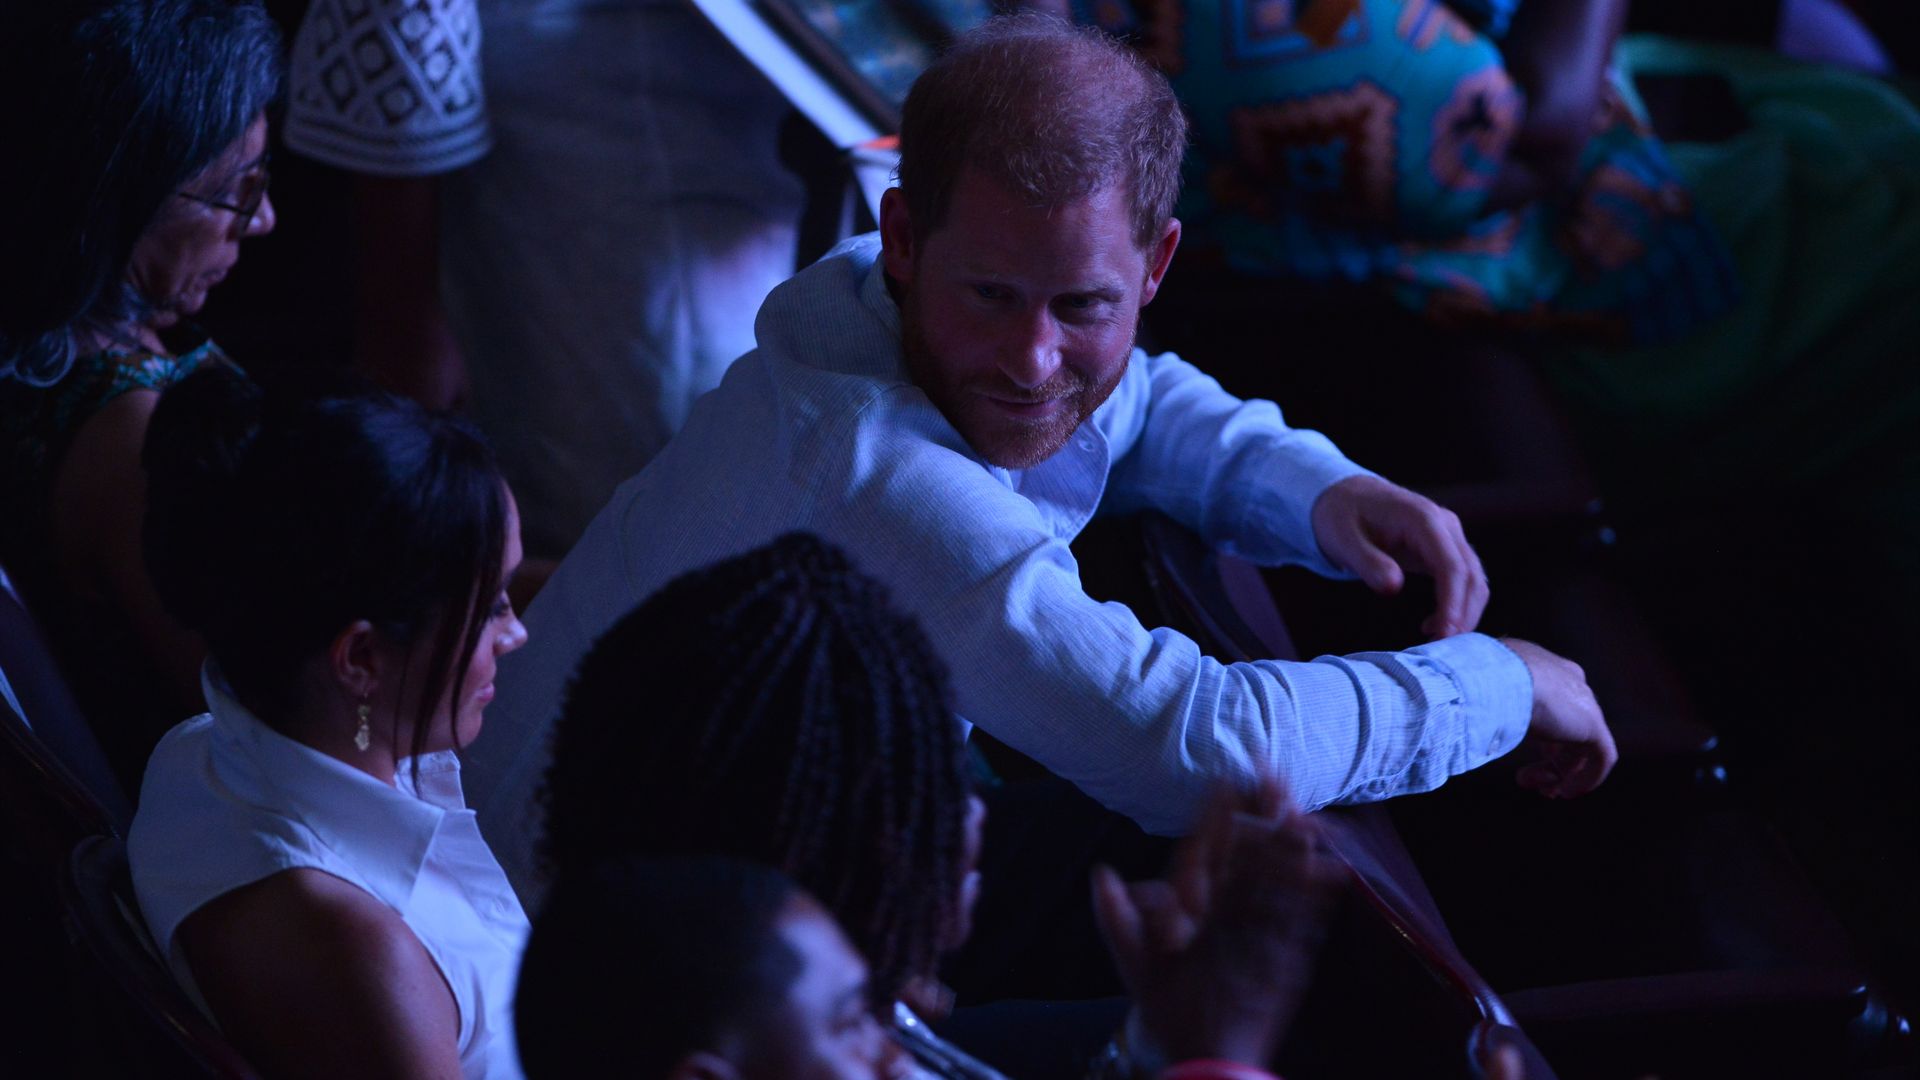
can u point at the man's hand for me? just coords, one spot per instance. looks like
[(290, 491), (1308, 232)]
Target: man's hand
[(1218, 957), (1576, 749), (1379, 531)]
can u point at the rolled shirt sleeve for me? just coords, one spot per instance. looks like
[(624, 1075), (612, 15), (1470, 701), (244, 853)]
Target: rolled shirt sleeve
[(1139, 718)]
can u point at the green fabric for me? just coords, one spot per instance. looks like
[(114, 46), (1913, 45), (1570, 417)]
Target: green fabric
[(1812, 379)]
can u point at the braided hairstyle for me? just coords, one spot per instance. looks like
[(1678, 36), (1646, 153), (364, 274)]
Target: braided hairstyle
[(775, 707)]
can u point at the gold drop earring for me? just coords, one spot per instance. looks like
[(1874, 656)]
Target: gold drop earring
[(363, 735)]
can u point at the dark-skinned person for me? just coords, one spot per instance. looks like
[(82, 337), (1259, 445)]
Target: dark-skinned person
[(714, 968), (302, 853), (776, 707), (695, 968), (953, 399), (137, 142)]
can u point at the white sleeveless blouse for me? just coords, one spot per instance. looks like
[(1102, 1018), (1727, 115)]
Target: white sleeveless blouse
[(227, 801)]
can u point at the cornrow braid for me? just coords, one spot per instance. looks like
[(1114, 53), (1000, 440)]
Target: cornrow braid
[(775, 707)]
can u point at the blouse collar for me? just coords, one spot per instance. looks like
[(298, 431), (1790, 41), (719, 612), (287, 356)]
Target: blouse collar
[(384, 831)]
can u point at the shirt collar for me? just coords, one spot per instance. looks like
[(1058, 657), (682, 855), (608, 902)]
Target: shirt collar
[(384, 832), (1067, 486), (878, 298)]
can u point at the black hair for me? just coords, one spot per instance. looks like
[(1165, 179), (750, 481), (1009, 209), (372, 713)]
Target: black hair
[(276, 520), (635, 963), (111, 106), (775, 707)]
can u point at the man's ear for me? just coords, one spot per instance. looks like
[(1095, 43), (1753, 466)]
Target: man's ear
[(702, 1065), (355, 661), (896, 236), (1158, 259)]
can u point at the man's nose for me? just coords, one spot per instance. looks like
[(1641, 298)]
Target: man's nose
[(1031, 353)]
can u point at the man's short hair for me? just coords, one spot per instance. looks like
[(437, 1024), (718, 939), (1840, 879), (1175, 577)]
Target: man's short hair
[(1053, 112)]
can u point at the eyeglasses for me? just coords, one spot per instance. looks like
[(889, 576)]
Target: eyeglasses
[(253, 191)]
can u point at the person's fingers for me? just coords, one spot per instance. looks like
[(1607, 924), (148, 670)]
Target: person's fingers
[(1541, 776), (1440, 548), (1590, 766), (1119, 921), (1375, 567), (1478, 591), (1166, 926), (1196, 860), (1270, 799)]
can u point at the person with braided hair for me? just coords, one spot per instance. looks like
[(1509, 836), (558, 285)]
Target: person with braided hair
[(791, 715), (776, 708)]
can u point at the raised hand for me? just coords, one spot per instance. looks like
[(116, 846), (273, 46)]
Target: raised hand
[(1218, 957)]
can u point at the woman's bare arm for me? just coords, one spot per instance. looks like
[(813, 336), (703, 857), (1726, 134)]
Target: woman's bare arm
[(99, 504), (1557, 51), (312, 977)]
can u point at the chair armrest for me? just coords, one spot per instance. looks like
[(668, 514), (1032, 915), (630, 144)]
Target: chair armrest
[(1734, 1022)]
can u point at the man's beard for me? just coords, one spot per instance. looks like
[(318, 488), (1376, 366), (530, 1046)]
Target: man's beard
[(1004, 440)]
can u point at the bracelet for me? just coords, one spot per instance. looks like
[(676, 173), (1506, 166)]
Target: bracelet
[(1214, 1069)]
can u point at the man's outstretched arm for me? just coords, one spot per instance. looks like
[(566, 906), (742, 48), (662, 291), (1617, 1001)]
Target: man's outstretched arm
[(1234, 472), (1139, 718)]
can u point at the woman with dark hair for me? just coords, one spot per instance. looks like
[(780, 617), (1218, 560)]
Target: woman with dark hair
[(303, 854), (138, 140)]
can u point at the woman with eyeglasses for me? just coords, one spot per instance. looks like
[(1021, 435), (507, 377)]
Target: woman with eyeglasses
[(136, 139)]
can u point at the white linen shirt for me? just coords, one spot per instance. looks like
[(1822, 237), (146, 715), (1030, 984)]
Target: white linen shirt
[(228, 801), (821, 429)]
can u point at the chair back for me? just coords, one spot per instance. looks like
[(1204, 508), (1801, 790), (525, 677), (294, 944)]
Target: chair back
[(132, 1012), (1394, 940), (55, 772)]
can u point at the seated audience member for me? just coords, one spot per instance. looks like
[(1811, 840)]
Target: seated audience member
[(694, 969), (302, 853), (138, 141), (952, 400), (726, 970), (1474, 157), (774, 707)]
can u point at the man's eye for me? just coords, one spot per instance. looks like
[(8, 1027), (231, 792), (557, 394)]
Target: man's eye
[(990, 292)]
